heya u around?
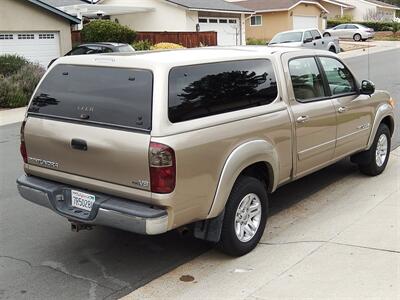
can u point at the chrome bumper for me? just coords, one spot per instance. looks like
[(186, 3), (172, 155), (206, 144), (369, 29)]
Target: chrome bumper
[(107, 210)]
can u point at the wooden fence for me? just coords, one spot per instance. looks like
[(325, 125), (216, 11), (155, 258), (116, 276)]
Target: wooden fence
[(186, 39)]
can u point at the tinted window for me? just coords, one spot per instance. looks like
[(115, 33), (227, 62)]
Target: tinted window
[(339, 77), (316, 34), (343, 26), (114, 96), (307, 35), (306, 79), (209, 89), (78, 51), (351, 27)]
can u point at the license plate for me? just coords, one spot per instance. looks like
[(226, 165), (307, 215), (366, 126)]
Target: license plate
[(82, 200)]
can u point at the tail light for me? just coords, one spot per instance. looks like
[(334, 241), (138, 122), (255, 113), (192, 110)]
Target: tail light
[(162, 168), (22, 147)]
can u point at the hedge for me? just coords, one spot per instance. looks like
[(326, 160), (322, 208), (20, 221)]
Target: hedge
[(377, 26), (107, 31), (10, 64), (17, 86)]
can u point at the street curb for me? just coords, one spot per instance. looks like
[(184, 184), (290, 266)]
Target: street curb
[(11, 116)]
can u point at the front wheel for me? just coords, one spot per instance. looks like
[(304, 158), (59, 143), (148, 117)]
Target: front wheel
[(332, 49), (326, 34), (245, 217), (378, 155)]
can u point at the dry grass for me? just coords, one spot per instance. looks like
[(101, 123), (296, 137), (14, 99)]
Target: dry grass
[(386, 36)]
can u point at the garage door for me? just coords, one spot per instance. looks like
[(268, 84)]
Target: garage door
[(228, 30), (40, 47), (305, 22)]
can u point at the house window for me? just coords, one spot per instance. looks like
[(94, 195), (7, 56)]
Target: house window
[(256, 21), (46, 36), (202, 20), (6, 37), (26, 36)]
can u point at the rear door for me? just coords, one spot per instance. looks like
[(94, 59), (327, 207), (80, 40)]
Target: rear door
[(93, 122), (354, 111)]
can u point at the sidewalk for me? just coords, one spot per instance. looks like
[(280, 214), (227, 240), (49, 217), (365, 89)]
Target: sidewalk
[(373, 47), (9, 116), (342, 241)]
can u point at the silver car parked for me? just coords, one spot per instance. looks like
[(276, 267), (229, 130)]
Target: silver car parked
[(356, 32)]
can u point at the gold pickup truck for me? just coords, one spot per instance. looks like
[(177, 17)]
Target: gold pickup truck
[(149, 142)]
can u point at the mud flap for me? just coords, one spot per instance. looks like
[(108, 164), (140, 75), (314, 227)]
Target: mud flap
[(209, 230)]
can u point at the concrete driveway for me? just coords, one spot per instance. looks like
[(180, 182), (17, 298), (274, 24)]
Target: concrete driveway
[(341, 240)]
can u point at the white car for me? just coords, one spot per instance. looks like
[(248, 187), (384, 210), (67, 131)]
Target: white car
[(305, 38), (356, 32)]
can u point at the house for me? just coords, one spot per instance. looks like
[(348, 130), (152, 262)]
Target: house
[(371, 10), (227, 19), (35, 30), (273, 16)]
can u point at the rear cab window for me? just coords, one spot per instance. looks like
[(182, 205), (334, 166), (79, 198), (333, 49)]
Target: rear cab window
[(109, 96), (198, 91)]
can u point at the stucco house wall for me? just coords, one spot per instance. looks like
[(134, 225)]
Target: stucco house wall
[(164, 16), (334, 10), (274, 22), (28, 18)]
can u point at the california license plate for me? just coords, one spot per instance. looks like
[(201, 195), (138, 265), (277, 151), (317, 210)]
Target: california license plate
[(82, 200)]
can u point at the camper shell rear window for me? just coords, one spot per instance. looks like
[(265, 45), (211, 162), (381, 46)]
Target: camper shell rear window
[(108, 96)]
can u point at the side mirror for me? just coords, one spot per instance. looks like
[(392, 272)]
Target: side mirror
[(367, 87), (307, 40)]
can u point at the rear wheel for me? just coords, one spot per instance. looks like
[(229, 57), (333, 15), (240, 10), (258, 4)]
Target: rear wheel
[(376, 158), (245, 217), (357, 37), (332, 49), (327, 34)]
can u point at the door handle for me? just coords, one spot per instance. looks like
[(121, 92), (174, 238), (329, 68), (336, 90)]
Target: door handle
[(79, 144), (315, 44), (342, 109), (302, 119)]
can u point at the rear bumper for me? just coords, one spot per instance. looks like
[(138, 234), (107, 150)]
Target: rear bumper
[(107, 210)]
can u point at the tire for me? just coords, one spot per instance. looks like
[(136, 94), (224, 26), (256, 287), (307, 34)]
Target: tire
[(332, 49), (357, 37), (326, 34), (245, 189), (372, 166)]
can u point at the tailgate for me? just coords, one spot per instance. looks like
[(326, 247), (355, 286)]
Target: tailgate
[(93, 122)]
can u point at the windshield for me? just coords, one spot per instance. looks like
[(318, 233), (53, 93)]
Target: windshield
[(287, 37)]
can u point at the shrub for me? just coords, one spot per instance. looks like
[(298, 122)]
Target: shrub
[(10, 64), (344, 18), (395, 27), (16, 90), (107, 31), (252, 41), (166, 46), (142, 45), (377, 26)]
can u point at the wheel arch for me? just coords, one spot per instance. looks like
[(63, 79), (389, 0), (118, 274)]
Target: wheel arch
[(257, 158), (384, 115)]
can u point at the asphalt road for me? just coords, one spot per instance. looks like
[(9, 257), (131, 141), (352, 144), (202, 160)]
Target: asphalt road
[(40, 258)]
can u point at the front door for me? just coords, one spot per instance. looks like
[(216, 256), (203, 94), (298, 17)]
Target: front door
[(354, 115), (314, 116)]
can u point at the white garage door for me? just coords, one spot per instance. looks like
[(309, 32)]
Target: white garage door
[(228, 29), (40, 47), (305, 22)]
